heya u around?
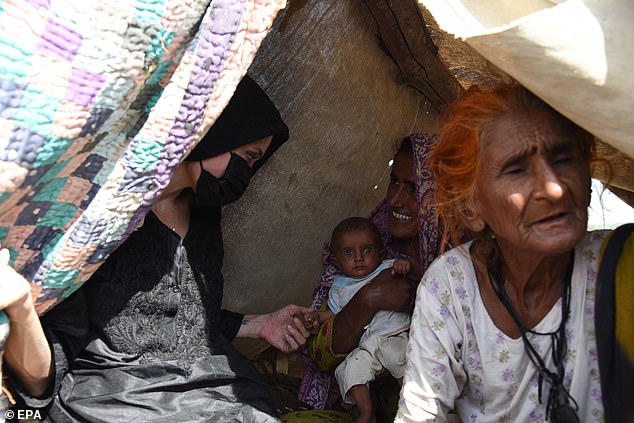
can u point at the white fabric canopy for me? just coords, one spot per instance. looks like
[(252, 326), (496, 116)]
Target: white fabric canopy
[(577, 55)]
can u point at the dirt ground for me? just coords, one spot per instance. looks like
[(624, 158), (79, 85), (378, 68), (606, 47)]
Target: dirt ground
[(281, 373)]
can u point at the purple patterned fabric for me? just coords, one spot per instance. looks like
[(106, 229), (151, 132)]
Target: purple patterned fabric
[(318, 388)]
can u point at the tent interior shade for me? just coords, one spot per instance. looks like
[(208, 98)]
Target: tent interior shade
[(351, 79)]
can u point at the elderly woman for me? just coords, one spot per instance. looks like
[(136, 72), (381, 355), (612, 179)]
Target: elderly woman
[(145, 339), (503, 329), (407, 224)]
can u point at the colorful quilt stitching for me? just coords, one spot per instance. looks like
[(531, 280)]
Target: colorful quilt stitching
[(99, 102)]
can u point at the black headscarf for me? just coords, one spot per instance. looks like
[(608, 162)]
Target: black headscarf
[(249, 116)]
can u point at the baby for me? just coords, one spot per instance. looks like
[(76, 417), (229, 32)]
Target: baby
[(357, 251)]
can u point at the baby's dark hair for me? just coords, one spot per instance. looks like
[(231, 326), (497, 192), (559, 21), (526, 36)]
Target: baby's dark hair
[(354, 224)]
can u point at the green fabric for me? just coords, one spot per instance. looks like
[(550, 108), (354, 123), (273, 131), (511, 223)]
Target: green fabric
[(625, 299), (320, 345), (317, 416)]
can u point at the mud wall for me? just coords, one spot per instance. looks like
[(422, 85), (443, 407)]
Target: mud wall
[(341, 97)]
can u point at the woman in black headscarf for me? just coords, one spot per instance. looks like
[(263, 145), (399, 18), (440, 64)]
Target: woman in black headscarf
[(145, 339)]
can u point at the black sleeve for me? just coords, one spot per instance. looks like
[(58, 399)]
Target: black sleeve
[(66, 329), (230, 323)]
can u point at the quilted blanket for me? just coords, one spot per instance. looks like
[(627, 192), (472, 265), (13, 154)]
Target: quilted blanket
[(99, 102)]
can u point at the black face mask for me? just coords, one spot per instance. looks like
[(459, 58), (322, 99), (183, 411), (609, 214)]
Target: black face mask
[(216, 192)]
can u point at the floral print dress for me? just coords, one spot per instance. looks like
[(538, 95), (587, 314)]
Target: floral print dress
[(458, 359)]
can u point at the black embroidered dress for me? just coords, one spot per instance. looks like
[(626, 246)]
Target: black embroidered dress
[(146, 340)]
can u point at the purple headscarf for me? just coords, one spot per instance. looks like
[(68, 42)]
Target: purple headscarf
[(315, 388)]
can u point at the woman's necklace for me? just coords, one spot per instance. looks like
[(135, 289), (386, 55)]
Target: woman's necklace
[(165, 218), (558, 408), (173, 215)]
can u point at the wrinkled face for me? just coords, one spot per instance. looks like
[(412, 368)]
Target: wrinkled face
[(357, 253), (251, 153), (401, 197), (533, 185)]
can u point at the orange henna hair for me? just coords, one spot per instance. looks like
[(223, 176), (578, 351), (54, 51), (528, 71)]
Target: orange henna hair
[(456, 158)]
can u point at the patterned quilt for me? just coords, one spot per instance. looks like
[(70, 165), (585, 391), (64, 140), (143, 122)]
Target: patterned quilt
[(100, 100)]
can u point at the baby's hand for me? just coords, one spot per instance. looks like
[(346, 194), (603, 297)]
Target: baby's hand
[(401, 267), (311, 321)]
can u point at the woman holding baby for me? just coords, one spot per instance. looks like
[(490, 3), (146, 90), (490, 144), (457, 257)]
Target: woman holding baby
[(407, 224)]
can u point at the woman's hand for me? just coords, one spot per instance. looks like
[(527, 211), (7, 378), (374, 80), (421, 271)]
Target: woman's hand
[(15, 291), (387, 291), (284, 328)]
